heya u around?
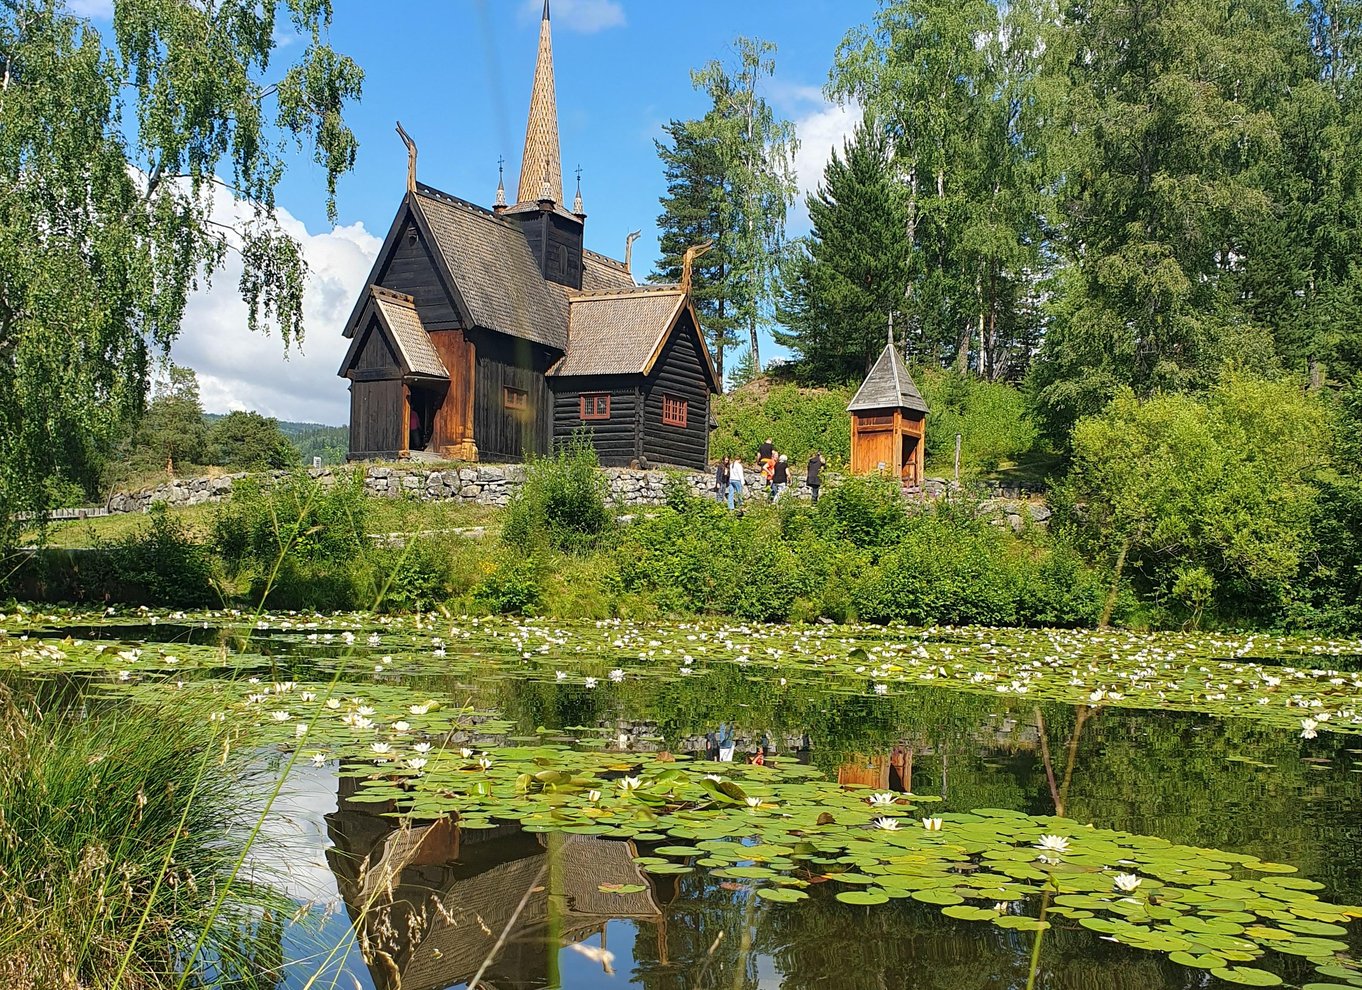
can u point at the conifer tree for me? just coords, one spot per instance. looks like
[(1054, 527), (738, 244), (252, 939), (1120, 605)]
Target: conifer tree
[(843, 280)]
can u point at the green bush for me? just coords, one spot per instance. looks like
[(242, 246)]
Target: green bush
[(514, 588), (949, 568), (799, 422), (563, 503), (164, 565), (300, 542), (869, 512), (993, 419)]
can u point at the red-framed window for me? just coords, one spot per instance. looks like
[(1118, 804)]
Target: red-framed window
[(595, 405), (515, 398), (674, 411)]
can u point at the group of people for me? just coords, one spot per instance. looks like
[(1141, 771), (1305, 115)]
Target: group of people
[(773, 468)]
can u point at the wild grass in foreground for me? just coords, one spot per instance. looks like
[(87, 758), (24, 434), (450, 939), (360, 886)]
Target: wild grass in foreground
[(116, 843)]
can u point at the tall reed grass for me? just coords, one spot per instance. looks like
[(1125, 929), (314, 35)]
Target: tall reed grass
[(117, 832)]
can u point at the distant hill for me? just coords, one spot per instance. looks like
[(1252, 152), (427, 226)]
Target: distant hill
[(330, 443)]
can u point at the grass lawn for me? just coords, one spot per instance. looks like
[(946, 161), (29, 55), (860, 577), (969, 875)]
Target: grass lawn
[(386, 515)]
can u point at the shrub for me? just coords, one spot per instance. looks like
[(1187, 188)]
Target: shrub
[(799, 422), (164, 565), (301, 542), (993, 419), (514, 588), (869, 512), (563, 503)]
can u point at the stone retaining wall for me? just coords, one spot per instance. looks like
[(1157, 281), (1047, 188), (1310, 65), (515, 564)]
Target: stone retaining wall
[(494, 484)]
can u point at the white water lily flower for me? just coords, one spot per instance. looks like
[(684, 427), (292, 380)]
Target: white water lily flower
[(754, 802), (1308, 727), (401, 726), (485, 763), (881, 688), (280, 716), (318, 759), (888, 824), (561, 675), (363, 723), (1001, 907), (1126, 883), (714, 777), (124, 675), (630, 783), (593, 796), (309, 696), (419, 709), (299, 730), (591, 682), (465, 752), (888, 797), (617, 675), (333, 703), (1053, 843), (422, 747), (932, 824), (416, 762), (380, 747), (365, 710)]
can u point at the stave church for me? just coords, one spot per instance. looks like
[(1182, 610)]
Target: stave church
[(495, 334)]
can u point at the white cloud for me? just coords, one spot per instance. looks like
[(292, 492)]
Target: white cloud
[(582, 16), (820, 131), (238, 369)]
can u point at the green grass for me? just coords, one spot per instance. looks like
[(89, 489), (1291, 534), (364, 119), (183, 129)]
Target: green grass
[(386, 515), (115, 844)]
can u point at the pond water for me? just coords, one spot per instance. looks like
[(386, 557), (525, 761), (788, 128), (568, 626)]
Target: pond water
[(530, 805)]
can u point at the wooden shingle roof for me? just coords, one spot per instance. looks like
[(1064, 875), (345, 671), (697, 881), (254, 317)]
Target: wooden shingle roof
[(888, 386), (618, 331), (493, 269), (398, 313), (600, 272)]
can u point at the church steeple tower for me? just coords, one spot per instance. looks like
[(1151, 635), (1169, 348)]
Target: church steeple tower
[(541, 165)]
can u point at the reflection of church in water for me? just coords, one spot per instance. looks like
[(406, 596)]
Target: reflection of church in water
[(430, 904)]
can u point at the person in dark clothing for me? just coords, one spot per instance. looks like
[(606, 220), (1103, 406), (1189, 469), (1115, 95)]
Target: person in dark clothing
[(780, 477), (721, 480), (815, 475), (766, 451)]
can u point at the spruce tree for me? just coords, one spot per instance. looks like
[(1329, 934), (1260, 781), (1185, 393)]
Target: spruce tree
[(844, 279)]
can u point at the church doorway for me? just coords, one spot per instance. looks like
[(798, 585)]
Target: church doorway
[(422, 406)]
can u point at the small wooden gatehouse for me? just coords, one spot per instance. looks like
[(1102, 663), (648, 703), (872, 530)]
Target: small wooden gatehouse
[(496, 334), (888, 421)]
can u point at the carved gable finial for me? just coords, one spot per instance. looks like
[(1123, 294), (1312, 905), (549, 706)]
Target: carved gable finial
[(411, 157)]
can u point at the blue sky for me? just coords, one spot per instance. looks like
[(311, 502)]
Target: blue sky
[(457, 74)]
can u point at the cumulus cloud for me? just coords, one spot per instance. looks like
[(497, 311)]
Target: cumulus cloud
[(820, 129), (238, 369), (582, 16)]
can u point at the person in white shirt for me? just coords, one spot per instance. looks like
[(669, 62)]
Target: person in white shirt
[(736, 483)]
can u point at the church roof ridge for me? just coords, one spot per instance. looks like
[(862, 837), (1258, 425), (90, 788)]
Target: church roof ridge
[(625, 291), (606, 258), (384, 292), (422, 189)]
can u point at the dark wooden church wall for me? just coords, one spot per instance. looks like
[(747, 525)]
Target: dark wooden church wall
[(376, 358), (678, 373), (375, 418), (501, 433), (616, 438), (412, 270)]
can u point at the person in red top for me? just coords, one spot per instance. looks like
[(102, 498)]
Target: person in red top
[(414, 429)]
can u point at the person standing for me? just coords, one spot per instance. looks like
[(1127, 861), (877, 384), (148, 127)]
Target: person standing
[(736, 481), (721, 480), (766, 451), (814, 479), (780, 477)]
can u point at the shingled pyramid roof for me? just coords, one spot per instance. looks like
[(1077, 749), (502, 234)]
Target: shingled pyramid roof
[(888, 386)]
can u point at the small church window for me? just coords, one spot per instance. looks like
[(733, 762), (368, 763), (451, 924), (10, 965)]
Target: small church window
[(515, 398), (595, 405), (673, 411)]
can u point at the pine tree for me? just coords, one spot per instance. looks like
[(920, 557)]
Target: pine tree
[(844, 279), (693, 212)]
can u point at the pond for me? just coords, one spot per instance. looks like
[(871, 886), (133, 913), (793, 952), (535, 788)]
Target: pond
[(694, 805)]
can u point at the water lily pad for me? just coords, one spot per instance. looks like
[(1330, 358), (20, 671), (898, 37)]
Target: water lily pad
[(781, 895), (1247, 976), (866, 897)]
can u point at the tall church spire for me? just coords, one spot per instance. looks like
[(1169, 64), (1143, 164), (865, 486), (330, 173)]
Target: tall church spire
[(541, 133)]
